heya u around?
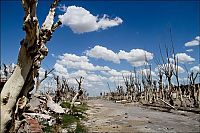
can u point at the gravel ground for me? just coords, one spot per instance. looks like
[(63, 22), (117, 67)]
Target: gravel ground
[(106, 116)]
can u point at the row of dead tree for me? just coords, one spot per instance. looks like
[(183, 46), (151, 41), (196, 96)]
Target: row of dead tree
[(63, 90), (153, 90)]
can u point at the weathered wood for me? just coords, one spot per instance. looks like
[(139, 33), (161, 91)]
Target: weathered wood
[(79, 93), (31, 53), (168, 104), (54, 106)]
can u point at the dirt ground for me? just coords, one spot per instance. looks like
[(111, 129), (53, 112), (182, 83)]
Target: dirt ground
[(107, 116)]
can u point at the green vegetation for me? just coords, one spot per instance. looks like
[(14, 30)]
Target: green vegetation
[(80, 128), (66, 120), (48, 129), (65, 104)]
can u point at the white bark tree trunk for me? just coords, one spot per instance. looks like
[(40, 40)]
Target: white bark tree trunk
[(13, 87), (79, 93), (31, 53)]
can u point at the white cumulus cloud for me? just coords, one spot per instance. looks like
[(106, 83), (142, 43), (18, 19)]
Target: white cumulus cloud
[(60, 70), (136, 57), (184, 58), (195, 68), (189, 50), (79, 63), (105, 22), (194, 42), (100, 52), (81, 20)]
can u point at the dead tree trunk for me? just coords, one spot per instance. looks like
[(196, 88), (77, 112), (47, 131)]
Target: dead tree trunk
[(31, 53), (160, 82), (39, 81), (167, 68), (192, 78), (79, 93)]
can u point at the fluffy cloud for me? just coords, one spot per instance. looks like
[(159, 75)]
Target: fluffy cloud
[(78, 73), (183, 58), (136, 57), (60, 70), (95, 78), (105, 22), (100, 52), (41, 72), (195, 68), (194, 42), (180, 69), (80, 20), (116, 73), (79, 63), (73, 57), (189, 50)]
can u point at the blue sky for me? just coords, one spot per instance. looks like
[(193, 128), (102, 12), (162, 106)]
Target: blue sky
[(144, 26)]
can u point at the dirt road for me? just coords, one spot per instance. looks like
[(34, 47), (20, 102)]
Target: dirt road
[(106, 116)]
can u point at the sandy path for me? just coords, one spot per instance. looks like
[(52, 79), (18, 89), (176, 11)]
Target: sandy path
[(106, 116)]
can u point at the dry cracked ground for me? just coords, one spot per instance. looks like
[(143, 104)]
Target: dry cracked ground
[(107, 116)]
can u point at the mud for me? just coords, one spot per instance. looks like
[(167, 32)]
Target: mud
[(107, 116)]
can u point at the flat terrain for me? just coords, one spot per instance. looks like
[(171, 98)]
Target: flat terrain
[(107, 116)]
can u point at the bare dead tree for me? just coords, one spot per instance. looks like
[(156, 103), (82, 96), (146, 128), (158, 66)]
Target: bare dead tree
[(58, 89), (176, 70), (66, 89), (189, 83), (5, 71), (144, 86), (129, 83), (175, 73), (39, 81), (31, 53), (148, 77), (111, 93), (137, 83), (160, 80), (79, 93), (168, 69), (192, 78)]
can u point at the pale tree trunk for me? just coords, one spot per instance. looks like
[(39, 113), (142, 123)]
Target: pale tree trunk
[(145, 93), (79, 93), (171, 101), (181, 96), (198, 95), (13, 87), (32, 52)]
